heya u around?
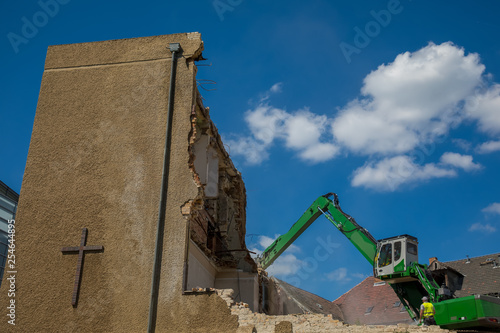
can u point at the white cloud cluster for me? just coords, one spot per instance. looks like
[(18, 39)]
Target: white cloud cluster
[(300, 131), (390, 173), (484, 106), (489, 147), (342, 275), (275, 89), (484, 228), (286, 264), (411, 102), (494, 208), (459, 161)]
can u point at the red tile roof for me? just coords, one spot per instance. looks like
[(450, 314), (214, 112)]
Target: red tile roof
[(480, 277), (372, 302)]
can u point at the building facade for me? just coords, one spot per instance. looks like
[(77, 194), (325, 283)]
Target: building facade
[(8, 208), (150, 217)]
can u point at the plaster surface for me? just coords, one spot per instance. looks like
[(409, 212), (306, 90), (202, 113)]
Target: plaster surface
[(95, 161)]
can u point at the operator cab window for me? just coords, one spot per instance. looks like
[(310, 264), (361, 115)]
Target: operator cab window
[(385, 255), (412, 248), (397, 251)]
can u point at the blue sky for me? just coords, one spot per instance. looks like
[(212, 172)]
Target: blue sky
[(393, 105)]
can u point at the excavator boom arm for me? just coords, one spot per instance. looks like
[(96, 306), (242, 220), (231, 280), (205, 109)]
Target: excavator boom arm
[(409, 282), (359, 236)]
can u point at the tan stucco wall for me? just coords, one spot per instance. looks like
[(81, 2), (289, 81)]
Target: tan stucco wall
[(95, 161)]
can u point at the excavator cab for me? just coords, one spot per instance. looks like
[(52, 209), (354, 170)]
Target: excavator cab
[(394, 256)]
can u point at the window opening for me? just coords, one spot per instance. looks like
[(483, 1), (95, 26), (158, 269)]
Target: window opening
[(385, 255), (397, 250), (411, 248)]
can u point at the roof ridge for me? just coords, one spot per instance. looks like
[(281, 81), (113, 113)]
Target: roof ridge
[(486, 255), (302, 290), (353, 288)]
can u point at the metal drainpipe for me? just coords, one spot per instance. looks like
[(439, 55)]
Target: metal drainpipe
[(155, 284)]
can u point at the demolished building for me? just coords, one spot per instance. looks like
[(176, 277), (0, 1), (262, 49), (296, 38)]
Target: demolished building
[(153, 192), (132, 215), (94, 169), (470, 276)]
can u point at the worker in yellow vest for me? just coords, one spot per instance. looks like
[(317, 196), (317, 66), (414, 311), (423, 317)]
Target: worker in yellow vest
[(427, 312)]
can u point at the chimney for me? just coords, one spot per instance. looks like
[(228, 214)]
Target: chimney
[(432, 259)]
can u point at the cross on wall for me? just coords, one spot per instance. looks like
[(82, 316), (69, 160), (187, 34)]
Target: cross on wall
[(80, 250)]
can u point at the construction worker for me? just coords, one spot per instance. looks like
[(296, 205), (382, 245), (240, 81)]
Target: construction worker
[(427, 312)]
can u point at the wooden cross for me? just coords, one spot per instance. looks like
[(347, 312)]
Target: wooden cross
[(79, 266)]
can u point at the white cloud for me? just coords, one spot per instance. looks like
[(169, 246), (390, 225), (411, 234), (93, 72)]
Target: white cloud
[(301, 131), (485, 108), (489, 147), (265, 241), (462, 144), (319, 152), (459, 161), (275, 89), (340, 274), (286, 264), (304, 129), (255, 152), (493, 208), (358, 276), (404, 105), (366, 132), (486, 228), (409, 101), (266, 123), (390, 173)]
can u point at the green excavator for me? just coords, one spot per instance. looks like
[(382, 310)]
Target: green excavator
[(395, 260)]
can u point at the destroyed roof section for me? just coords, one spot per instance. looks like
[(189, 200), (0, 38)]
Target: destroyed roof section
[(437, 265), (309, 302), (446, 275), (481, 276), (217, 214)]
